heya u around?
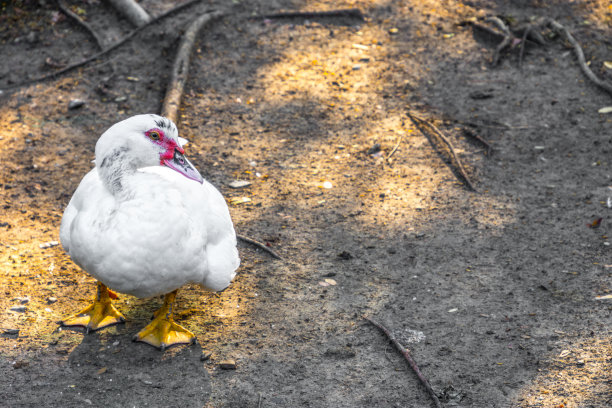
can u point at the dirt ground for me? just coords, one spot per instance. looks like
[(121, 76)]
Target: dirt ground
[(500, 294)]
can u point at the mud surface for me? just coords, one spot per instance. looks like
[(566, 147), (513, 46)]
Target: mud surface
[(497, 293)]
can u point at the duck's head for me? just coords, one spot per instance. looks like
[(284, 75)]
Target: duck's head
[(145, 141)]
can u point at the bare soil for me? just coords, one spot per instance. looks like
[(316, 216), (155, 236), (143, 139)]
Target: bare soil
[(497, 293)]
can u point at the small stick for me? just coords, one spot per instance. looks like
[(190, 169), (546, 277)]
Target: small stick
[(522, 51), (258, 245), (580, 55), (180, 69), (399, 140), (94, 57), (418, 121), (352, 13), (406, 353), (81, 22), (479, 138)]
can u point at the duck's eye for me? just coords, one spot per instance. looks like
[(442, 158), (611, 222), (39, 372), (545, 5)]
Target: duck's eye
[(154, 135)]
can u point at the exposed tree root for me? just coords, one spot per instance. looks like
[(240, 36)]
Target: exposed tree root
[(132, 11), (180, 69)]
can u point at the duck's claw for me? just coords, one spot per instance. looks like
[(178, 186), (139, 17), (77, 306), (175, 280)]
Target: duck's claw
[(163, 332), (98, 315)]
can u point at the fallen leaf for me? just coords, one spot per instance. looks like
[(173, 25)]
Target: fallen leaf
[(101, 371), (608, 64), (564, 353), (606, 109), (603, 297), (330, 281), (596, 223), (240, 200)]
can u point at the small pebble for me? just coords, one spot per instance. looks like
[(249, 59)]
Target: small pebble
[(48, 244), (19, 309), (239, 184), (228, 364), (75, 104), (10, 331), (51, 299), (356, 67), (22, 300), (205, 355)]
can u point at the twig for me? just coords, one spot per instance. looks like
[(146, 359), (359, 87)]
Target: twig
[(81, 22), (259, 401), (399, 140), (420, 123), (406, 353), (180, 69), (258, 245), (352, 13), (561, 30), (479, 138), (94, 57), (522, 51)]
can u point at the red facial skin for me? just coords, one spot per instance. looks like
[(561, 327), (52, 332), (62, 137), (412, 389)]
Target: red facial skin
[(167, 143)]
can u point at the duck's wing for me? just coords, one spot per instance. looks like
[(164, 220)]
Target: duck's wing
[(89, 188)]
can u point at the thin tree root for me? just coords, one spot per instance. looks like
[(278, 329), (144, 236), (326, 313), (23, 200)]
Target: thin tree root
[(81, 22), (565, 34), (351, 13), (94, 57)]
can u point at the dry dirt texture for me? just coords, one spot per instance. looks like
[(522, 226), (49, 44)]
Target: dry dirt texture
[(494, 292)]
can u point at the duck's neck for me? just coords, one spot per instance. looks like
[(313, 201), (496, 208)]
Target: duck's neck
[(114, 168)]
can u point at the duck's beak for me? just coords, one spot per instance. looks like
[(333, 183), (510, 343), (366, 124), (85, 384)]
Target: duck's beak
[(180, 163)]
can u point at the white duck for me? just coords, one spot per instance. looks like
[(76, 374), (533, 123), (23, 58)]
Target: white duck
[(144, 222)]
